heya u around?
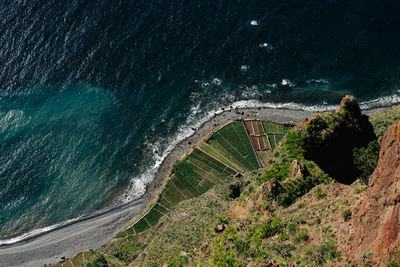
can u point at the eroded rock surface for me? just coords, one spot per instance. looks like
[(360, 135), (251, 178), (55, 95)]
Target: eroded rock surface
[(379, 213)]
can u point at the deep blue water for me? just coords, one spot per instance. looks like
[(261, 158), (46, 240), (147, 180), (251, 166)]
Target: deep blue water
[(92, 93)]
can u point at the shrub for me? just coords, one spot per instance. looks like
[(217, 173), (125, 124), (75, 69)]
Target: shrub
[(323, 253), (178, 261), (272, 227), (127, 253), (121, 234), (302, 235), (292, 227), (283, 236), (285, 250), (394, 262), (327, 229), (262, 254), (319, 193), (96, 260), (346, 214), (366, 160), (241, 246)]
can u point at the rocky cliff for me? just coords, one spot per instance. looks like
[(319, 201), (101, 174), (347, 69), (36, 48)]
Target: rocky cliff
[(378, 216)]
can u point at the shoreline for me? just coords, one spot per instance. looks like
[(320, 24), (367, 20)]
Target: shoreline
[(95, 231), (279, 115)]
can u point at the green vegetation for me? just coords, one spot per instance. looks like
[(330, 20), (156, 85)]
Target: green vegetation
[(271, 127), (96, 259), (394, 260), (275, 133), (320, 193), (224, 159), (346, 214), (192, 176), (233, 140), (323, 253), (366, 160), (384, 119), (290, 150), (227, 151)]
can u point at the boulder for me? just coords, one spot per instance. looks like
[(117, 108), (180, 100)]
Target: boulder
[(297, 170)]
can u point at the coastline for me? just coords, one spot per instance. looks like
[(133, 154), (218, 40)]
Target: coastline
[(97, 230)]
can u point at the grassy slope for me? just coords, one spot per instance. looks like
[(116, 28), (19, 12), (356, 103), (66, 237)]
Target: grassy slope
[(384, 119)]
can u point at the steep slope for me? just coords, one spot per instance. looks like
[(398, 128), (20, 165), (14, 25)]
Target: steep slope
[(379, 213)]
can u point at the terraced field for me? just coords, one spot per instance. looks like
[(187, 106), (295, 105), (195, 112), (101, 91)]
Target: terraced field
[(225, 154), (233, 140), (274, 133)]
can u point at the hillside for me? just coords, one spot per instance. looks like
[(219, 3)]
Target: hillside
[(254, 193)]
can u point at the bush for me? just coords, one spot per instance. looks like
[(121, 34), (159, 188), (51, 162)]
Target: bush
[(292, 227), (302, 235), (323, 253), (394, 262), (319, 193), (96, 260), (272, 227), (241, 246), (346, 214), (366, 160), (127, 253), (326, 229), (285, 250)]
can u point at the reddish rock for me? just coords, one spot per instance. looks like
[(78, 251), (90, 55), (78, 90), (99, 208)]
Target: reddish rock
[(378, 217)]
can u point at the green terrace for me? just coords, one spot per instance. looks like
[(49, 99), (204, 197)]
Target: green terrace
[(229, 151)]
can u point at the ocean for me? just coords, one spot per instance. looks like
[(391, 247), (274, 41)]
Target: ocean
[(93, 94)]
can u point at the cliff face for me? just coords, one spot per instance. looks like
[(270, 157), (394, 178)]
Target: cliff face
[(379, 213), (331, 138)]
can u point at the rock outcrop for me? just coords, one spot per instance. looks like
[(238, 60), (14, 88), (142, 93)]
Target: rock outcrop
[(378, 218), (331, 138), (297, 170)]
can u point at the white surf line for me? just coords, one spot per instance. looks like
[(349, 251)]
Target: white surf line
[(188, 130)]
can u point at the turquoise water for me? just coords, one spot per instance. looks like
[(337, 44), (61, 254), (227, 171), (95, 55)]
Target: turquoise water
[(55, 153), (93, 94)]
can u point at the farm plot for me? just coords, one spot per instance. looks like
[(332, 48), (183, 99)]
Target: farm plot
[(192, 176), (206, 148), (226, 153), (274, 128), (235, 142), (257, 134), (275, 132), (258, 142)]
